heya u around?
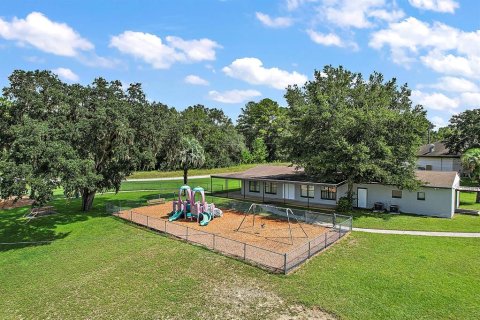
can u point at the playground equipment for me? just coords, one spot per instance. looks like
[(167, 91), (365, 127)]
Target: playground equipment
[(191, 209), (277, 212)]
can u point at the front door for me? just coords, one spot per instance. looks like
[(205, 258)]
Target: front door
[(289, 191), (361, 197)]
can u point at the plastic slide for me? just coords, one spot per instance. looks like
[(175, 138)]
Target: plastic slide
[(206, 218), (176, 215)]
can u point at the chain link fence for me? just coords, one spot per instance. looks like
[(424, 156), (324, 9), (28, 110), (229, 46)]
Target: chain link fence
[(337, 226)]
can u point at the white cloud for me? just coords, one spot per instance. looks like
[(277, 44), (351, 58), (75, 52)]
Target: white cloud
[(251, 70), (358, 13), (388, 16), (470, 99), (44, 34), (439, 122), (196, 80), (452, 64), (441, 47), (330, 39), (148, 47), (195, 50), (151, 49), (278, 22), (435, 101), (295, 4), (448, 6), (454, 84), (66, 74), (233, 96)]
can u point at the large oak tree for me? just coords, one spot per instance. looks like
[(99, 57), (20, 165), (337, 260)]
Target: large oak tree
[(345, 127), (86, 139)]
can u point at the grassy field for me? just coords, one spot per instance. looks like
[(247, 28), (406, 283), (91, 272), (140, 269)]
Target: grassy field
[(459, 223), (467, 201), (196, 172), (173, 185), (99, 267)]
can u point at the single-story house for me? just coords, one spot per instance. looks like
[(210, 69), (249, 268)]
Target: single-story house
[(437, 157), (438, 195)]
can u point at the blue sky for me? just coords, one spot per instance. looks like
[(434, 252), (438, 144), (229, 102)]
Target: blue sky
[(225, 53)]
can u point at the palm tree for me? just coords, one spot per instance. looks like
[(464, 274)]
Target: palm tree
[(471, 162), (188, 154)]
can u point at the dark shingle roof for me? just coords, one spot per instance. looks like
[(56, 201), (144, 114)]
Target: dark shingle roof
[(439, 150)]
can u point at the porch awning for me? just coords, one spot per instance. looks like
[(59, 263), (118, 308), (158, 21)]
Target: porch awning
[(470, 189)]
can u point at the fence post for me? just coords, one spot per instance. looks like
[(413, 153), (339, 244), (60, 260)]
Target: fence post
[(244, 251), (285, 263), (165, 229), (309, 245), (147, 221), (334, 220), (326, 239)]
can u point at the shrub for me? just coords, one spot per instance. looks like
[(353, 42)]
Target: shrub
[(344, 205)]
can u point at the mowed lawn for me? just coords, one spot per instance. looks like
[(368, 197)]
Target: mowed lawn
[(99, 267), (468, 201)]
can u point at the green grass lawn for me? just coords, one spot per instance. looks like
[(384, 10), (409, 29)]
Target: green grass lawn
[(99, 267), (195, 172), (467, 201), (173, 185), (459, 222)]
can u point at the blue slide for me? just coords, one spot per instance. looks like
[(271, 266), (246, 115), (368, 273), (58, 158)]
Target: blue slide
[(177, 215), (206, 218)]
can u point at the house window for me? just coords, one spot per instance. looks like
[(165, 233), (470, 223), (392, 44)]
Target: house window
[(306, 191), (270, 188), (328, 193), (420, 195), (254, 186), (428, 167), (397, 194)]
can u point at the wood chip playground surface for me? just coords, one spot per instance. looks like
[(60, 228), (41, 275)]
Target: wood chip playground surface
[(269, 233), (267, 243)]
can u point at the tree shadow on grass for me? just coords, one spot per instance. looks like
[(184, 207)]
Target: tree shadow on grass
[(18, 232)]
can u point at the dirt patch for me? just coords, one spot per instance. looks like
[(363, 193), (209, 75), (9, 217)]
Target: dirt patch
[(11, 203), (238, 299), (268, 232)]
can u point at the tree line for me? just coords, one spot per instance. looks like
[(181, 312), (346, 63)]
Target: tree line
[(88, 138)]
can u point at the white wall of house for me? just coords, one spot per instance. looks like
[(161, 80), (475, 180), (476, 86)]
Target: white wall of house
[(317, 199), (440, 163), (438, 202)]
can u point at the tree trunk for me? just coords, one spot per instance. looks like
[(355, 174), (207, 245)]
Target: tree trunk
[(478, 197), (185, 174), (350, 192), (87, 199)]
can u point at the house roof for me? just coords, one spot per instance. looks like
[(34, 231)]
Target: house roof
[(434, 179), (439, 150), (437, 179), (273, 173)]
